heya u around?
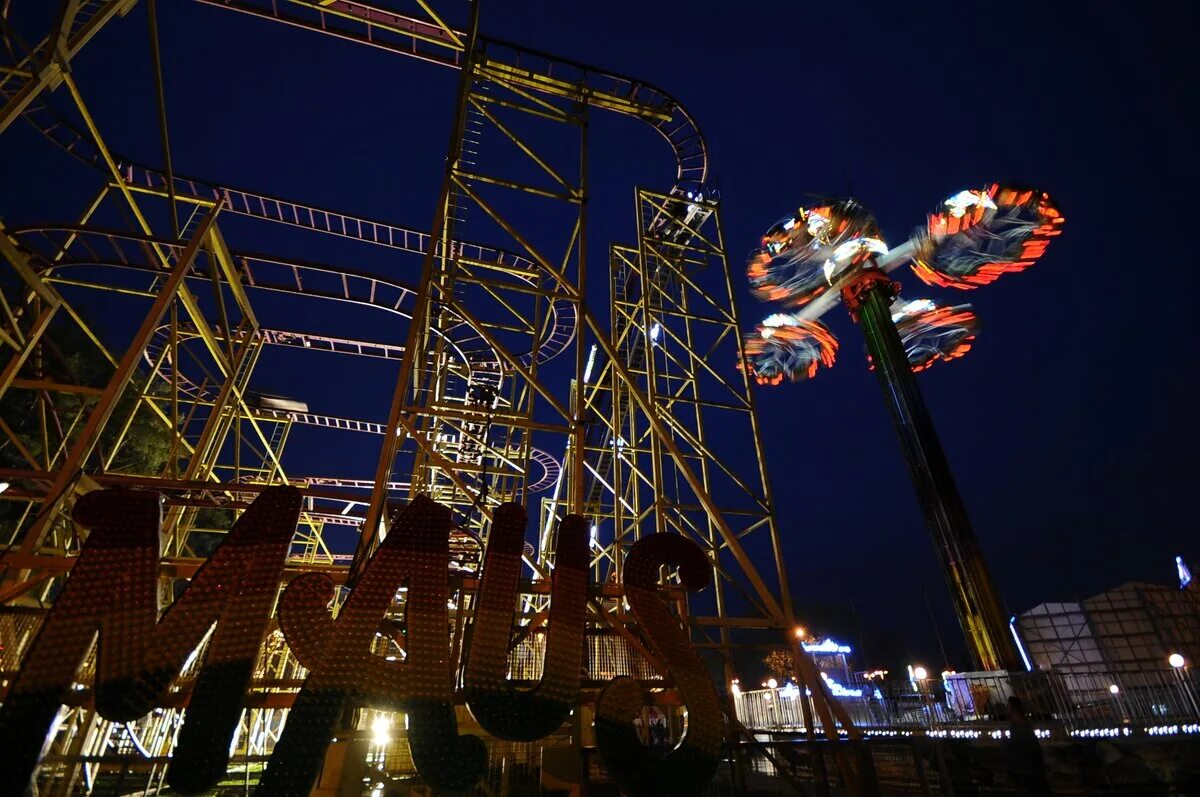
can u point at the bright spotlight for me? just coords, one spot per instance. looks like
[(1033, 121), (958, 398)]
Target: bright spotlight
[(381, 730)]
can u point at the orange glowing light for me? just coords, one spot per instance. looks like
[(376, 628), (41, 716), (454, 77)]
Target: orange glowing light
[(943, 227), (795, 351), (935, 334)]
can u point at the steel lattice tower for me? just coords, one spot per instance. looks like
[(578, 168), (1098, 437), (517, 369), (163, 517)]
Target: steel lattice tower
[(527, 373)]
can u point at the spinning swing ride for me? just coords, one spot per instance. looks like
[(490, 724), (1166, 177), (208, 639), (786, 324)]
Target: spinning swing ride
[(831, 252)]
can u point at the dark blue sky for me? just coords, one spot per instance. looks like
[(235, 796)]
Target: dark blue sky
[(1070, 425)]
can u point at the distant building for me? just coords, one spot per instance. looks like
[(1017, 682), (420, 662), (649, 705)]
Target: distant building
[(1128, 629), (832, 659)]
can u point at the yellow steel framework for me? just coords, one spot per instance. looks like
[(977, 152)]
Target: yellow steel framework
[(517, 374)]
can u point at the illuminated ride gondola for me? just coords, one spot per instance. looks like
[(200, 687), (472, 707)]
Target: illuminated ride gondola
[(931, 333), (784, 347), (805, 254), (978, 236)]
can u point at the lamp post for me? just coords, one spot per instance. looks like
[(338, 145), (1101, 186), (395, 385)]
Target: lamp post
[(919, 675), (1115, 691), (1179, 667)]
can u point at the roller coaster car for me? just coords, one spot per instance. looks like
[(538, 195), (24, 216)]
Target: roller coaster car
[(482, 395), (277, 404), (682, 213)]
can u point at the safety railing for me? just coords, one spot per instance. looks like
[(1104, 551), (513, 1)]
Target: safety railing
[(977, 704)]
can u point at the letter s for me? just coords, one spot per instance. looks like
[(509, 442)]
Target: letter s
[(688, 768)]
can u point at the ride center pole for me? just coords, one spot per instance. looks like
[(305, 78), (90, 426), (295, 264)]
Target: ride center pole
[(975, 599)]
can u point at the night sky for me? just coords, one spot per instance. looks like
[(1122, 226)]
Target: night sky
[(1070, 425)]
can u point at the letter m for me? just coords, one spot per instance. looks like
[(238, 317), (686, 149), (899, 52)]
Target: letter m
[(113, 591)]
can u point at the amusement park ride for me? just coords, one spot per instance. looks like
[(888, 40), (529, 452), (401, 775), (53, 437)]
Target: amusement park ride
[(833, 251), (517, 382)]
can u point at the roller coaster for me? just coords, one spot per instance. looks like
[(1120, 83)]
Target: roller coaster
[(510, 382)]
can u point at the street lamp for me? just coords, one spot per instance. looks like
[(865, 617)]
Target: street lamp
[(1179, 667), (1113, 688), (800, 632), (772, 683), (917, 676)]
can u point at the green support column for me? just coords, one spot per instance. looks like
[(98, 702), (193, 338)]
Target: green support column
[(971, 589)]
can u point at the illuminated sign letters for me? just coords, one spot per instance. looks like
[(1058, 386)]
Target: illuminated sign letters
[(113, 591)]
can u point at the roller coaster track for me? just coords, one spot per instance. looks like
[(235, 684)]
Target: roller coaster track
[(548, 463), (415, 38), (561, 326), (557, 334), (408, 36), (527, 69), (122, 250), (356, 348), (499, 61), (380, 294), (272, 337)]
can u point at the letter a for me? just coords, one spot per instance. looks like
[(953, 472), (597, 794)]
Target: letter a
[(344, 671)]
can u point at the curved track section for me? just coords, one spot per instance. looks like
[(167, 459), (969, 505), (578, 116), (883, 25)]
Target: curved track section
[(104, 249), (412, 37), (521, 66), (561, 326), (551, 468), (127, 250), (547, 462), (562, 319), (403, 35), (155, 352)]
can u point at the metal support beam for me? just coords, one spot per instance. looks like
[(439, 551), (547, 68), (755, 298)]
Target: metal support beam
[(83, 445), (56, 52)]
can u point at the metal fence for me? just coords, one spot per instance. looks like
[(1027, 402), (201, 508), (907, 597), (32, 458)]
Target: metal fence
[(960, 767), (1080, 704)]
